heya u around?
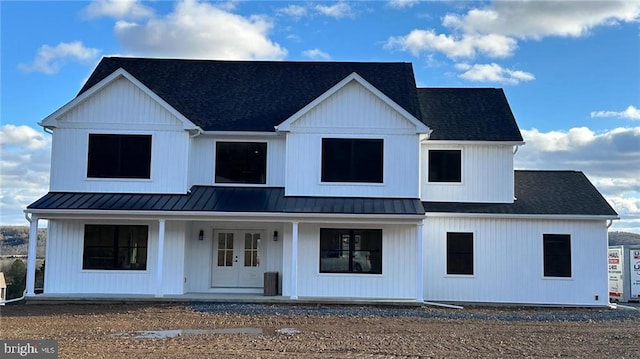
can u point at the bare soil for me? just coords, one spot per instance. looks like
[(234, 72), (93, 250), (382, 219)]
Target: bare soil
[(110, 330)]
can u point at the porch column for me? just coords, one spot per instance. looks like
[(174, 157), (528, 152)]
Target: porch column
[(419, 264), (160, 265), (31, 256), (294, 260)]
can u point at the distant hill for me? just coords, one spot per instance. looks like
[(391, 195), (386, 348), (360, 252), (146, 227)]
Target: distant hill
[(623, 238), (14, 241)]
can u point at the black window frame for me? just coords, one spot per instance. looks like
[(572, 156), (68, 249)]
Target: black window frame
[(441, 170), (127, 156), (242, 170), (460, 253), (352, 160), (330, 247), (556, 252), (108, 252)]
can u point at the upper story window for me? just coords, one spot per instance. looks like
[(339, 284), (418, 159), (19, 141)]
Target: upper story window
[(241, 162), (352, 160), (445, 166), (557, 255), (119, 156)]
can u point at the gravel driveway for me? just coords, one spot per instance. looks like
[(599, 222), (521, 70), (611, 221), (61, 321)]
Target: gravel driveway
[(228, 330)]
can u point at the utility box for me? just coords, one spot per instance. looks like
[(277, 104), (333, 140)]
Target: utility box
[(270, 283), (624, 273)]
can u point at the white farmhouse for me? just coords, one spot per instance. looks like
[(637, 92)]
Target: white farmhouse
[(189, 177)]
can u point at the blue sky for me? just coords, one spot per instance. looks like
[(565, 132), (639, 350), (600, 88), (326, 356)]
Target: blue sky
[(569, 69)]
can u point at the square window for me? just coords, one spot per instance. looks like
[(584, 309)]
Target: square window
[(352, 160), (460, 253), (119, 156), (241, 162), (113, 247), (351, 251), (557, 255), (445, 166)]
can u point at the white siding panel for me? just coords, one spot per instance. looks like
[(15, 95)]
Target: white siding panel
[(398, 276), (508, 260), (120, 102), (487, 175), (168, 163), (202, 158), (64, 272), (353, 106)]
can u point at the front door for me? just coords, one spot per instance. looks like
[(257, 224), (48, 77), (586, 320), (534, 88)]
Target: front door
[(236, 259)]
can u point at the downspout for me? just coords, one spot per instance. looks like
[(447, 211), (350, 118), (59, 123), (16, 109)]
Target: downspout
[(47, 130), (198, 133), (610, 223)]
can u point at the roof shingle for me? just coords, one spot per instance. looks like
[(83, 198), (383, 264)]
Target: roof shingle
[(468, 114), (540, 193)]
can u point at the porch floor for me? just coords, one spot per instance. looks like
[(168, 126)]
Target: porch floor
[(212, 298)]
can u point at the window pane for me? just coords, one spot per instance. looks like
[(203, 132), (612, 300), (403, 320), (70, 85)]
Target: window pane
[(352, 160), (557, 255), (460, 253), (119, 156), (115, 247), (241, 162), (445, 166), (350, 251)]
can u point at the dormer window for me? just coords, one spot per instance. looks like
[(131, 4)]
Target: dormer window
[(119, 156), (241, 162), (352, 160), (445, 166)]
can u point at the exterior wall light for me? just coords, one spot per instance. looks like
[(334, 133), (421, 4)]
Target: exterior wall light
[(201, 235), (275, 236)]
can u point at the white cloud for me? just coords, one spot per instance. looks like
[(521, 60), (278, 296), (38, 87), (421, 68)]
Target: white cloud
[(295, 11), (453, 46), (537, 19), (610, 159), (338, 10), (316, 54), (24, 170), (631, 113), (493, 73), (118, 9), (200, 30), (50, 59), (401, 4)]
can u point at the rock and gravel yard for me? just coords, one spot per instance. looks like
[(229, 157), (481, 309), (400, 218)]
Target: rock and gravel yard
[(227, 330)]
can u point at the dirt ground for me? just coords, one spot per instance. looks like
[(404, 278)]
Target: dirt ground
[(112, 330)]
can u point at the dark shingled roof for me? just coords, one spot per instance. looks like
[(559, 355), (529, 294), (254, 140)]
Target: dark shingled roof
[(253, 95), (468, 114), (228, 199), (540, 192)]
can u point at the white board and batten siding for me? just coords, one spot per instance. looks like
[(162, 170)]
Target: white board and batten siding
[(119, 108), (508, 262), (202, 158), (487, 174), (397, 281), (352, 112), (64, 274)]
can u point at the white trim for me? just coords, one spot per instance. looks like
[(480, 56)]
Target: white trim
[(160, 259), (294, 261), (52, 120), (31, 257), (420, 263), (523, 216), (338, 218), (285, 126), (428, 141), (240, 133)]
